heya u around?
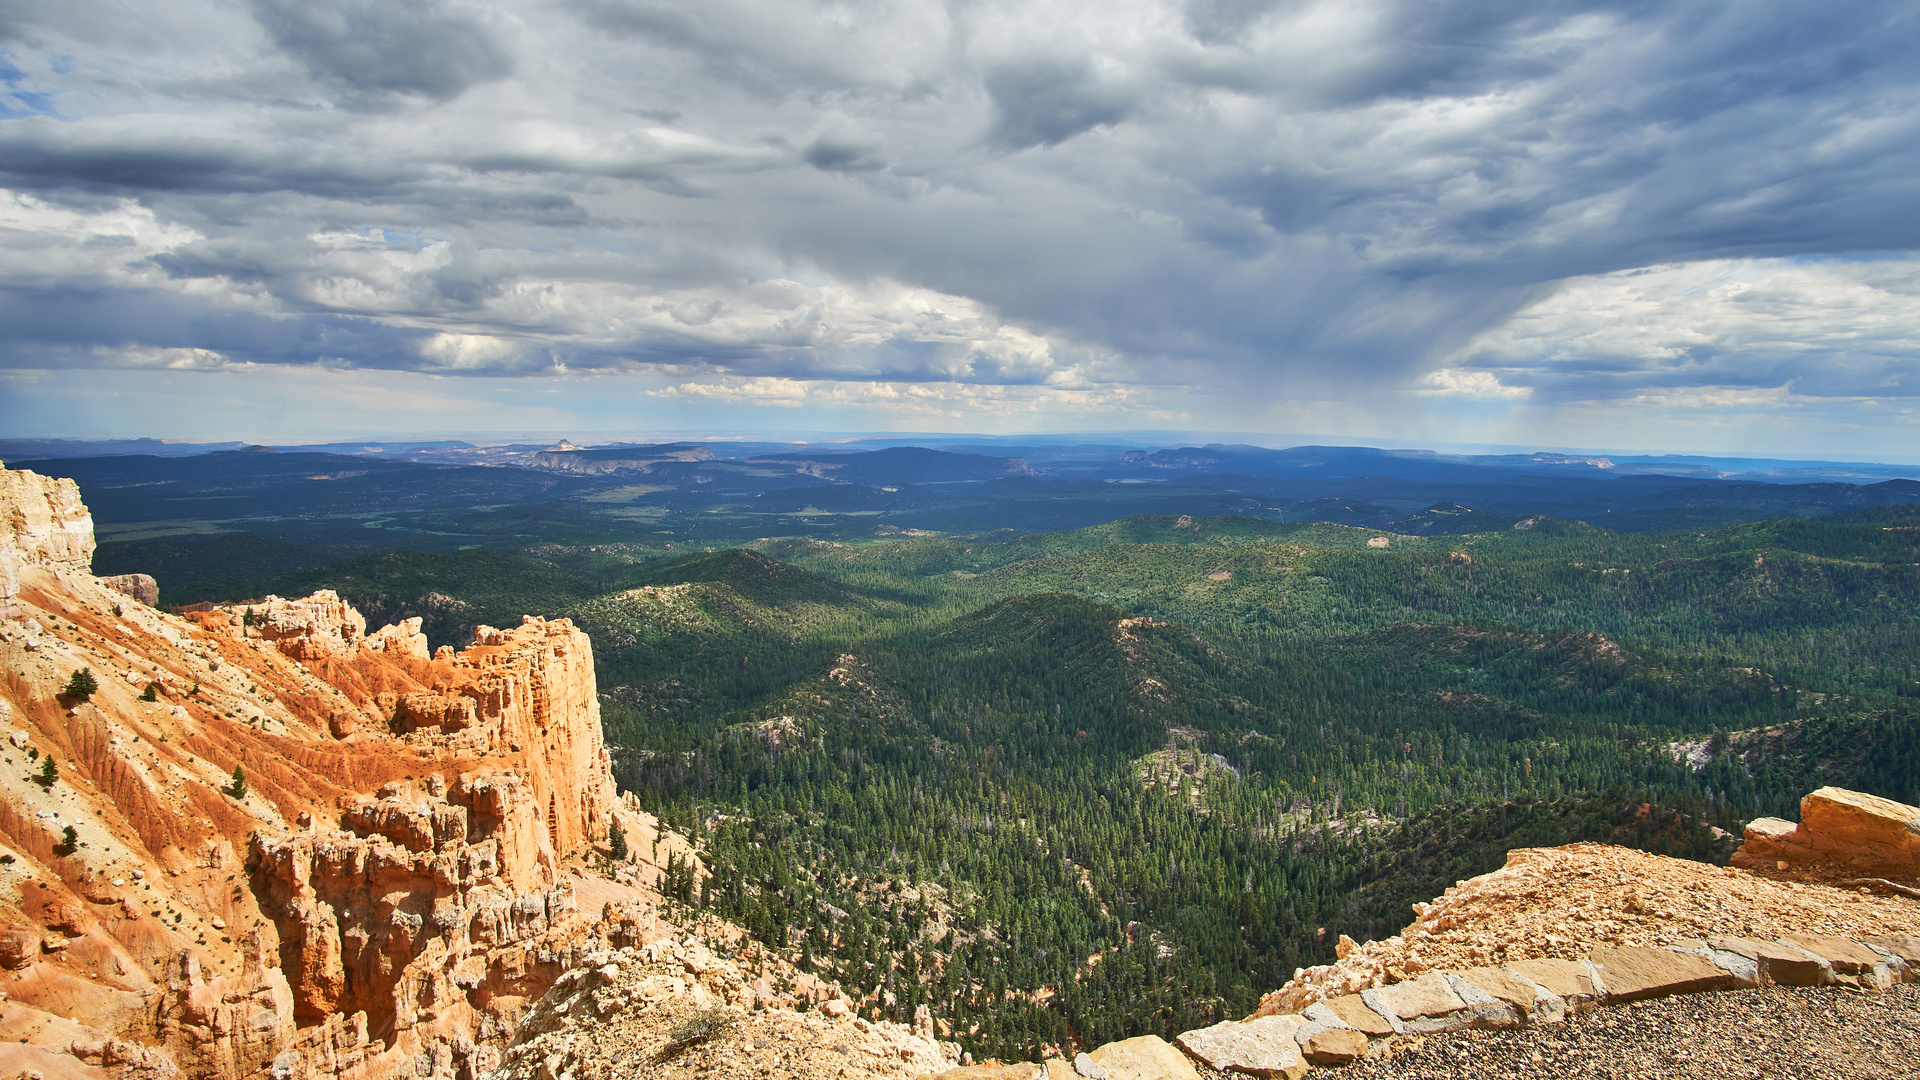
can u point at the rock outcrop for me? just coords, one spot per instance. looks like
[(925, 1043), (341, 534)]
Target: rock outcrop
[(311, 628), (141, 587), (273, 842), (44, 524), (1863, 835)]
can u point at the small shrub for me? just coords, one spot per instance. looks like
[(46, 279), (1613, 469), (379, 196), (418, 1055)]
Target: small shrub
[(703, 1026), (151, 693), (69, 841)]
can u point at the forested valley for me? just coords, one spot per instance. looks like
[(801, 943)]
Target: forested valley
[(1070, 787)]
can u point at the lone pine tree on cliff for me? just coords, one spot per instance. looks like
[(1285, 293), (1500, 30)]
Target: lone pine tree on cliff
[(238, 789), (82, 685)]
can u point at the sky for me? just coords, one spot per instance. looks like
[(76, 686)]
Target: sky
[(1667, 226)]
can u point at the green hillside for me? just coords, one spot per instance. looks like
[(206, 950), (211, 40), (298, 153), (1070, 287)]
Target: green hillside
[(1124, 779), (705, 635)]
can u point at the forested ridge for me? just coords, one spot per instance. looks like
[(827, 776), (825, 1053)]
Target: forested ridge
[(1077, 786), (945, 803)]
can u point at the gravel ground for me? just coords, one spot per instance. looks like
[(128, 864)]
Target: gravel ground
[(1818, 1034), (1564, 902)]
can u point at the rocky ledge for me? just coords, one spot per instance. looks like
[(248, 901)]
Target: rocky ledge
[(1560, 932)]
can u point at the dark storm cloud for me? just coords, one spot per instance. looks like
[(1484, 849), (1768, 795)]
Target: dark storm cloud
[(831, 153), (1221, 22), (412, 47), (1045, 102), (44, 153), (103, 329), (1253, 195)]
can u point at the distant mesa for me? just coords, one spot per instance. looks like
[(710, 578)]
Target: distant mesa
[(606, 460)]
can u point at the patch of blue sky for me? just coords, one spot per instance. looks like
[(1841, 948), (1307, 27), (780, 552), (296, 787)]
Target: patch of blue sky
[(411, 239), (17, 96)]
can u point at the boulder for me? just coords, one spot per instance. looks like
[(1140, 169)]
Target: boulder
[(1527, 999), (1354, 1012), (1261, 1047), (1905, 946), (1569, 980), (1325, 1044), (1864, 833), (1632, 973), (1148, 1057), (1427, 1003), (1084, 1066), (1776, 963), (1846, 957)]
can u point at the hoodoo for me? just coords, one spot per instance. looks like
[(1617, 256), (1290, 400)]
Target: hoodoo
[(269, 841)]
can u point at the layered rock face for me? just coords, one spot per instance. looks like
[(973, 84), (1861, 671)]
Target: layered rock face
[(42, 523), (273, 842)]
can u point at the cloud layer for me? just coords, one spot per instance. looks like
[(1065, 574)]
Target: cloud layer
[(1141, 208)]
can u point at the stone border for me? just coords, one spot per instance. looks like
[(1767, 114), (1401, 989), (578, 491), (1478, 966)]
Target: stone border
[(1525, 993), (1534, 992)]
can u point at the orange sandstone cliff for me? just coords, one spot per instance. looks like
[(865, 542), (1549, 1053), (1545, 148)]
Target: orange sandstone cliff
[(394, 877)]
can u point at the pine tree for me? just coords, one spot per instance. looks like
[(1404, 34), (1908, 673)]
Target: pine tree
[(69, 842), (49, 772), (82, 685), (617, 842), (238, 789)]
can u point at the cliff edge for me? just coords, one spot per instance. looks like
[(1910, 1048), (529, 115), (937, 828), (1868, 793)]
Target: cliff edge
[(259, 839)]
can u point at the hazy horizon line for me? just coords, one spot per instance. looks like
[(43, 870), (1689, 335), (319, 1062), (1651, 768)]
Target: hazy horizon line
[(1149, 438)]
